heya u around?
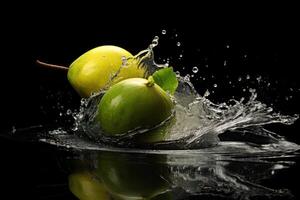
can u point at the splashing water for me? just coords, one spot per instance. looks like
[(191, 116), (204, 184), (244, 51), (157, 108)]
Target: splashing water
[(198, 122)]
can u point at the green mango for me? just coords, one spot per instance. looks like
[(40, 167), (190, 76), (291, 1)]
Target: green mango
[(93, 70), (129, 177), (131, 104)]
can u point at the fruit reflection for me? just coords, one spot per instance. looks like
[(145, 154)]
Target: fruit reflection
[(85, 187), (121, 176)]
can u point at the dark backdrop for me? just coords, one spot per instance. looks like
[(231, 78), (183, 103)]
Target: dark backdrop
[(270, 41)]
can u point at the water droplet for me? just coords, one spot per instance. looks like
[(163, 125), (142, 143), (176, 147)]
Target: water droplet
[(225, 63), (154, 42), (229, 82), (56, 131), (163, 32), (248, 77), (206, 65), (245, 56), (192, 75), (291, 89), (124, 61), (13, 130), (69, 112), (240, 79), (215, 85), (195, 69), (187, 78), (83, 102), (203, 78), (177, 73), (178, 44), (176, 35), (227, 46), (244, 90), (180, 55), (167, 64), (206, 94), (287, 98), (60, 114), (258, 79)]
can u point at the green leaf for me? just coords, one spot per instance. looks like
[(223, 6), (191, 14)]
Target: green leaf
[(166, 79)]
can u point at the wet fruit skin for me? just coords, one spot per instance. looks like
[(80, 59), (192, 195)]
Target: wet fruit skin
[(133, 103), (93, 70)]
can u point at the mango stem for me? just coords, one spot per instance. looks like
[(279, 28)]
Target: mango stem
[(51, 66), (150, 82)]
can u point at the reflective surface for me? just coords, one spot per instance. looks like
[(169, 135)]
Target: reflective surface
[(230, 170)]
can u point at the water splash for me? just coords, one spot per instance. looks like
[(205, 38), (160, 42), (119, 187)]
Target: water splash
[(198, 122)]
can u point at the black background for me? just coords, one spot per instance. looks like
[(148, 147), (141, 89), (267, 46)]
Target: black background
[(269, 37)]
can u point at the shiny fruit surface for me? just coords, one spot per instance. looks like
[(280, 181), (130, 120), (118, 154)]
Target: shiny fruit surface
[(93, 70), (131, 104)]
